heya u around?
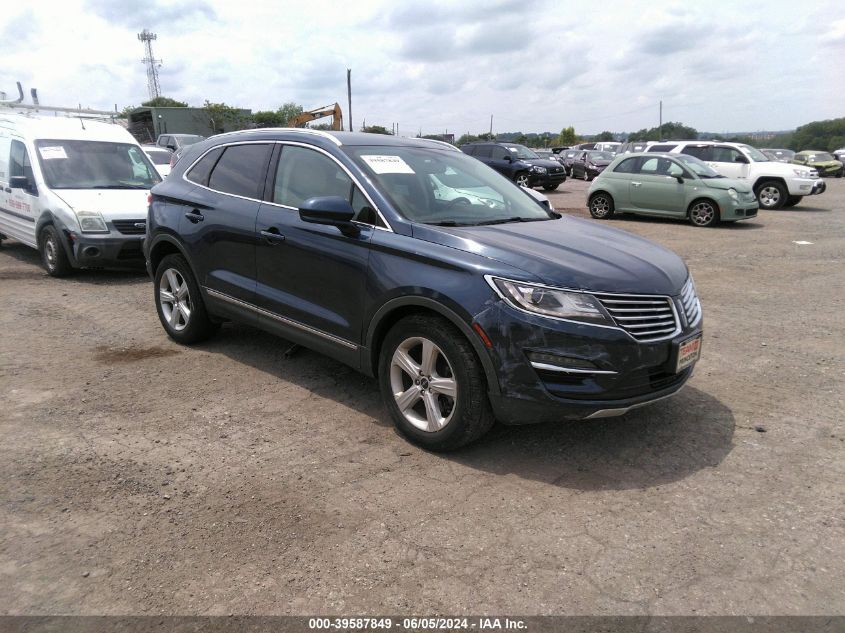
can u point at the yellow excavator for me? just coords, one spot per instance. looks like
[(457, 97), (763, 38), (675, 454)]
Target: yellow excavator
[(310, 115)]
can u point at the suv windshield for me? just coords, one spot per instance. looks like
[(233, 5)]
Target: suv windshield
[(598, 155), (756, 155), (94, 165), (520, 151), (188, 139), (821, 158), (697, 166), (444, 187)]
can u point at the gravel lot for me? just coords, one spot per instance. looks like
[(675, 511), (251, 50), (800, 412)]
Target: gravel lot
[(137, 476)]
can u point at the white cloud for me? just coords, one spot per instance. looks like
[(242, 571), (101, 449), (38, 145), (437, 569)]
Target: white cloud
[(436, 65)]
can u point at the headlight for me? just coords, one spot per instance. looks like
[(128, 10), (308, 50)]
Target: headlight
[(551, 302), (733, 194), (538, 170), (91, 222), (801, 173)]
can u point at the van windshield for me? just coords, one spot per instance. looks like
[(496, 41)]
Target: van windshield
[(70, 164)]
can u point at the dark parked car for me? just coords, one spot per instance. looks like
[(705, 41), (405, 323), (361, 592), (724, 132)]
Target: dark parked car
[(590, 163), (518, 163), (568, 156), (419, 265)]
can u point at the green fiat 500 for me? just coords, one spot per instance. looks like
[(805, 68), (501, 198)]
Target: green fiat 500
[(670, 185)]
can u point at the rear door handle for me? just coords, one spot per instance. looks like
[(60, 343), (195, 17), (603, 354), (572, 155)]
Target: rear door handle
[(272, 235), (636, 184), (195, 216)]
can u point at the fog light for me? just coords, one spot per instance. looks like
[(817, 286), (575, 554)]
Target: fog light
[(91, 251)]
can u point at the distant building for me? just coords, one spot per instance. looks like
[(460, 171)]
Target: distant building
[(146, 124)]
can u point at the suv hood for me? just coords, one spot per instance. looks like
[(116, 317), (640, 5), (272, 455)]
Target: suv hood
[(571, 253), (548, 163), (118, 204)]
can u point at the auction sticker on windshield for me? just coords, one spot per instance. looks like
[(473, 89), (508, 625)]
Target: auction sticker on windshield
[(689, 351), (52, 152), (387, 164)]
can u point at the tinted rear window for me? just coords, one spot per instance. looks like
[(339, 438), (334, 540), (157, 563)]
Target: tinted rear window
[(199, 173), (241, 170), (701, 152), (662, 148)]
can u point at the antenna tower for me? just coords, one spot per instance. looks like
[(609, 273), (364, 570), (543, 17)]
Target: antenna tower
[(151, 63)]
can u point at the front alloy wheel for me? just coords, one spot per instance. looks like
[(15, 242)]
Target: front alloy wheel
[(522, 179), (601, 206), (423, 384), (703, 213), (771, 195)]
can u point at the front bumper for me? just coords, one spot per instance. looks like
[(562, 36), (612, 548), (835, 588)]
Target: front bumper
[(548, 179), (806, 186), (628, 373), (106, 250)]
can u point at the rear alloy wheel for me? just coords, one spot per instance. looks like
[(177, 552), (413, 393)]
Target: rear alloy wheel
[(771, 195), (703, 213), (432, 384), (601, 206), (522, 179), (178, 302)]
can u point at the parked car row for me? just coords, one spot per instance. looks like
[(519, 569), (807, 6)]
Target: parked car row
[(518, 163), (409, 261)]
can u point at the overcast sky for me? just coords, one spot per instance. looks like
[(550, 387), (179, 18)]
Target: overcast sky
[(435, 66)]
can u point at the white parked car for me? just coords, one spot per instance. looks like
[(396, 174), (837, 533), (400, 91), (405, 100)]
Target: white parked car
[(75, 190), (775, 184), (160, 157)]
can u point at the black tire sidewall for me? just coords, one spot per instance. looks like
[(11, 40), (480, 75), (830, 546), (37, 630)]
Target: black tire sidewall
[(466, 369), (61, 266), (781, 189)]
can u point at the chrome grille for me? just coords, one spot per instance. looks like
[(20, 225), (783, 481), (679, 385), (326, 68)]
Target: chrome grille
[(689, 299), (131, 227), (645, 317)]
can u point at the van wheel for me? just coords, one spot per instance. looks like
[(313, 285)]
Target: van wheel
[(703, 213), (771, 194), (179, 304), (53, 254), (601, 206), (433, 384)]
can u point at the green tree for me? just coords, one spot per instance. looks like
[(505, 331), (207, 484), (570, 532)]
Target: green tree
[(376, 129), (676, 131), (268, 118), (567, 136), (288, 111), (819, 135), (226, 118), (124, 114), (164, 102), (605, 136)]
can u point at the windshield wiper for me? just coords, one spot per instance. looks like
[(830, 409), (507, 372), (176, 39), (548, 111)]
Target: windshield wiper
[(448, 223), (508, 220), (120, 187)]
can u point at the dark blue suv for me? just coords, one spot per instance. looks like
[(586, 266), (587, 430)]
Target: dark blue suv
[(417, 264)]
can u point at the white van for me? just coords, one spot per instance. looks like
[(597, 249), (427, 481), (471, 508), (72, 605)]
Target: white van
[(74, 189)]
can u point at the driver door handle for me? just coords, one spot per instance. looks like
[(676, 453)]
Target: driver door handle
[(636, 184)]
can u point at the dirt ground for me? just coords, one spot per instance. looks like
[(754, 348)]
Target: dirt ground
[(141, 477)]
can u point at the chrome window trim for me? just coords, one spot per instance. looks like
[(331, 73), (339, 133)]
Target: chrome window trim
[(286, 130), (568, 370), (296, 324), (357, 183)]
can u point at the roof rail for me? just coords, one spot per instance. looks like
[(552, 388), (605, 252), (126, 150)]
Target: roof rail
[(299, 130)]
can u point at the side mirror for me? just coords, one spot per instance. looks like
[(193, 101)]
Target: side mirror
[(508, 158), (680, 178), (171, 147), (741, 159), (329, 210)]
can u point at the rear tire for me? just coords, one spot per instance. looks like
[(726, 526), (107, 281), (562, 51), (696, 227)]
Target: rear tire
[(601, 206), (53, 254), (179, 303), (586, 176), (549, 187), (771, 194), (433, 384), (791, 201)]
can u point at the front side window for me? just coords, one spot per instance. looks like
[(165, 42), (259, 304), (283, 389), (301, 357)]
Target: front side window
[(241, 170), (755, 154), (500, 153), (19, 164), (726, 155), (659, 166), (70, 164), (627, 166), (444, 188)]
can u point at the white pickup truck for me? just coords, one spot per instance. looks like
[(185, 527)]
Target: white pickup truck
[(775, 184)]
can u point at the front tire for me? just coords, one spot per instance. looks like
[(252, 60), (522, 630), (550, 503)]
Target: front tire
[(771, 194), (549, 187), (522, 179), (433, 384), (791, 201), (601, 206), (704, 213), (53, 254), (179, 304), (586, 176)]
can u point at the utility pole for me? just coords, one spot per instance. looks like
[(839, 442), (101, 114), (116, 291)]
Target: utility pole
[(661, 119), (349, 94), (151, 63), (491, 126)]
